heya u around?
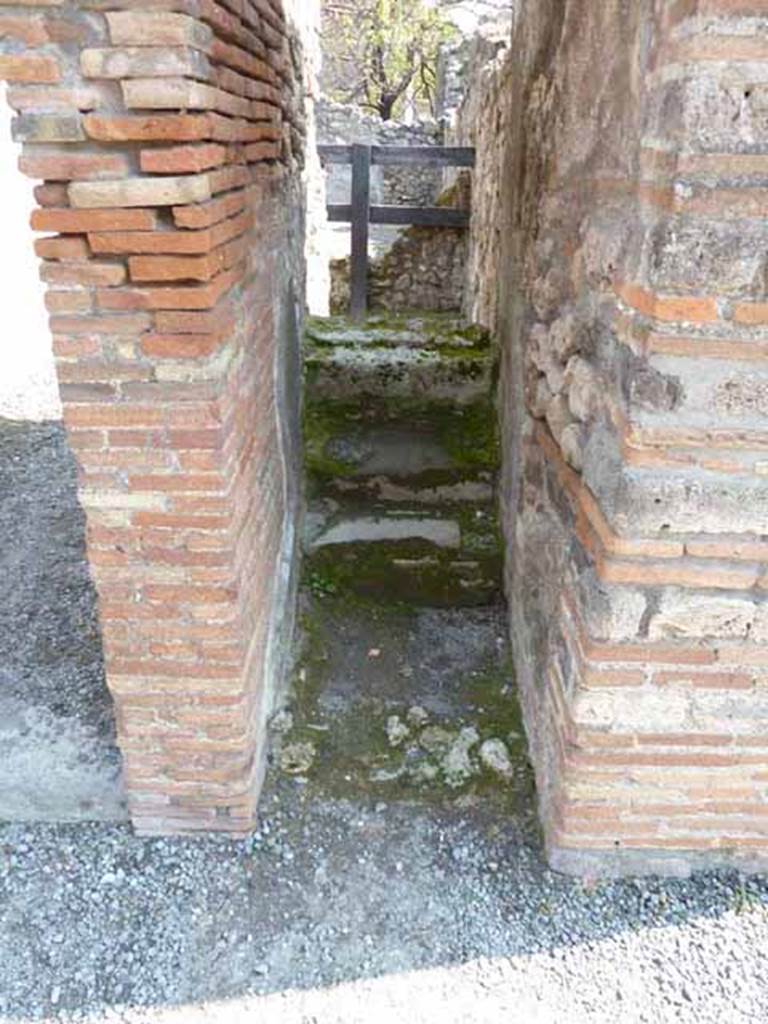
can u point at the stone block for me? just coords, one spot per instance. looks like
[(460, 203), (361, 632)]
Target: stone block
[(729, 260), (584, 389), (610, 613), (689, 615)]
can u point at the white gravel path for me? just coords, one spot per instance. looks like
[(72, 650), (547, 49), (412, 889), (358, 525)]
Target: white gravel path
[(343, 912)]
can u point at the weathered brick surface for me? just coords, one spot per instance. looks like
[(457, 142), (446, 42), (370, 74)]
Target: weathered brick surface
[(164, 191), (29, 68), (630, 186), (143, 62), (173, 251)]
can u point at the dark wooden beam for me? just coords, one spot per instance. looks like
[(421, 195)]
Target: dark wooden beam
[(335, 154), (424, 216), (361, 210), (432, 156), (360, 213), (339, 213)]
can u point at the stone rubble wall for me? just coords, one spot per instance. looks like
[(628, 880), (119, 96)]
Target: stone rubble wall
[(619, 253), (424, 269), (169, 140), (343, 124), (483, 32), (477, 76)]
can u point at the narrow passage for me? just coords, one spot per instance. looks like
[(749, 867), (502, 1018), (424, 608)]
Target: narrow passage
[(405, 687)]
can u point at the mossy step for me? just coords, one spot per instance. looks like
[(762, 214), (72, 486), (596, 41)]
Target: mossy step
[(339, 373), (437, 559), (473, 530), (432, 331), (401, 442), (397, 462), (434, 490), (393, 573), (336, 433), (374, 529)]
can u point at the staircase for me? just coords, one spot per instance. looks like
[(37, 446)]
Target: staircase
[(401, 455)]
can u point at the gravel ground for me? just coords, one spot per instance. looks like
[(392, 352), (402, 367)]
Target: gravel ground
[(347, 905), (341, 911)]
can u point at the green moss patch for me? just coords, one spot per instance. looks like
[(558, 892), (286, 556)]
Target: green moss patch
[(356, 751), (384, 329)]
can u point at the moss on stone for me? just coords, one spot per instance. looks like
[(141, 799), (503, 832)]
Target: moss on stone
[(431, 580), (390, 580), (321, 424), (381, 329), (468, 433), (481, 533), (353, 753)]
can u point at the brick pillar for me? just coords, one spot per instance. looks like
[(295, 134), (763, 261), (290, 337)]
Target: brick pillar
[(168, 142), (638, 511)]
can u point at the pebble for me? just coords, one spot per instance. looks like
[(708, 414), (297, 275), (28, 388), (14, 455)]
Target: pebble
[(297, 758), (417, 716), (457, 764), (200, 917), (435, 739), (495, 756), (282, 722), (397, 731)]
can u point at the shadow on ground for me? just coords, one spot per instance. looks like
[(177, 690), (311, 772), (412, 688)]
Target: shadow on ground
[(58, 759), (371, 891)]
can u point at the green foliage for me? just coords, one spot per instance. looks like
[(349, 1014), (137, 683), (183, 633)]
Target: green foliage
[(384, 52), (322, 585)]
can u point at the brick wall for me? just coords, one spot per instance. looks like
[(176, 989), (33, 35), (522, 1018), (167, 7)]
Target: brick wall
[(168, 139), (630, 197), (626, 232)]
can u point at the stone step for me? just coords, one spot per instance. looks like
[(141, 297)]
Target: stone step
[(442, 533), (401, 449), (437, 560), (426, 331), (349, 363), (452, 461), (400, 373)]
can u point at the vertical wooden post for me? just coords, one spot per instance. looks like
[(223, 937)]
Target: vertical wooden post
[(361, 211)]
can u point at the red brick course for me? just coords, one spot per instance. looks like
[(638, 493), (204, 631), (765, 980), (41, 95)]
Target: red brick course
[(184, 510)]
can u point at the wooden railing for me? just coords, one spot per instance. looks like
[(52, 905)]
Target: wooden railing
[(360, 213)]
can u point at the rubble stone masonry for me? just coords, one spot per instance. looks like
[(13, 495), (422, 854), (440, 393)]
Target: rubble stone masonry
[(168, 138), (623, 161)]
